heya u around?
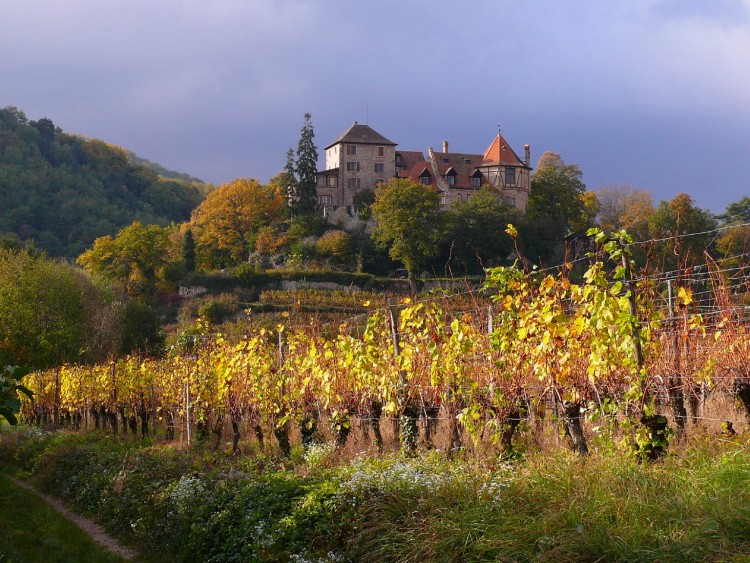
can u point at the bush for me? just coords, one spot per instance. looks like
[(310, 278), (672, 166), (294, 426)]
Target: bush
[(220, 308)]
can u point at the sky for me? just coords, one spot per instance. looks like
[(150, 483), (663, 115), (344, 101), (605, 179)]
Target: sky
[(651, 94)]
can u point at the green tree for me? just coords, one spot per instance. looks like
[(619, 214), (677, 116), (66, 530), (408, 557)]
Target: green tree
[(556, 190), (188, 251), (141, 329), (408, 223), (556, 206), (737, 212), (734, 240), (474, 232), (50, 312), (303, 198)]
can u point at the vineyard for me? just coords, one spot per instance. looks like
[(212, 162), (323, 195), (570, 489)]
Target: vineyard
[(594, 349)]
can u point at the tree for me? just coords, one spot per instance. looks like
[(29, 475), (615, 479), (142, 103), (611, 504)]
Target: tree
[(133, 259), (556, 206), (302, 197), (737, 212), (678, 217), (637, 212), (141, 329), (556, 190), (226, 223), (408, 222), (335, 244), (624, 207), (474, 233), (734, 241), (188, 251), (51, 313)]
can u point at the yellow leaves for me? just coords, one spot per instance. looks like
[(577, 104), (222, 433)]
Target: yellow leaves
[(685, 296)]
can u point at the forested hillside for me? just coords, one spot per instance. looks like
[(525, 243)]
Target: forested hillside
[(63, 191)]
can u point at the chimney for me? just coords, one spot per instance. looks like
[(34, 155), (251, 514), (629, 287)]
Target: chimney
[(445, 147), (527, 156)]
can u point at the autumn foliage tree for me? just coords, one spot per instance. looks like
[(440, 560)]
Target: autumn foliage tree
[(227, 222), (133, 259)]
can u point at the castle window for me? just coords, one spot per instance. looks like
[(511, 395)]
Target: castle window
[(351, 150), (510, 176), (332, 181), (325, 200), (379, 167), (353, 183), (352, 166), (381, 151)]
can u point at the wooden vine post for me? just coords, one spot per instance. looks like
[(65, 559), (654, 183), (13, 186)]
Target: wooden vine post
[(655, 424), (405, 425)]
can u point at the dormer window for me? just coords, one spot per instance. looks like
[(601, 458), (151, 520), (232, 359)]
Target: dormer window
[(425, 179), (450, 176), (476, 181)]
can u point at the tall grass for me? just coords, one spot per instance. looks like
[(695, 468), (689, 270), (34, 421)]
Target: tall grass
[(693, 506)]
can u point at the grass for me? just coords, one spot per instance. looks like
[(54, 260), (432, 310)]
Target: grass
[(693, 506), (32, 531)]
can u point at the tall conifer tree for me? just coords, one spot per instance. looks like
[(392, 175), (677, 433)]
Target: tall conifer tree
[(303, 200)]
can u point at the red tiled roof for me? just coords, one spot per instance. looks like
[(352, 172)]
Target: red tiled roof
[(409, 158), (500, 153), (463, 166)]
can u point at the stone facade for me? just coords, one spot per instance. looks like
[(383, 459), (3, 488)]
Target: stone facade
[(355, 163)]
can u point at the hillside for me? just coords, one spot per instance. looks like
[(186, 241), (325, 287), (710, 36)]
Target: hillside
[(62, 191)]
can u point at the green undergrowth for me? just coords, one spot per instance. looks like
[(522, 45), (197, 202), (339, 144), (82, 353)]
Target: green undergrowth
[(31, 531), (200, 505)]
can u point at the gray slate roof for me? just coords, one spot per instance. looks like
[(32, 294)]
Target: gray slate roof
[(362, 135)]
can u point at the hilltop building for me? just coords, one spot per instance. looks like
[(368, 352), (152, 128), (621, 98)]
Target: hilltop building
[(361, 158)]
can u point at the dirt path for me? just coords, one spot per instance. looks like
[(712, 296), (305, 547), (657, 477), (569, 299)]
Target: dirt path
[(94, 530)]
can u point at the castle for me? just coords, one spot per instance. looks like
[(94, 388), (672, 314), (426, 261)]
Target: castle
[(361, 158)]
